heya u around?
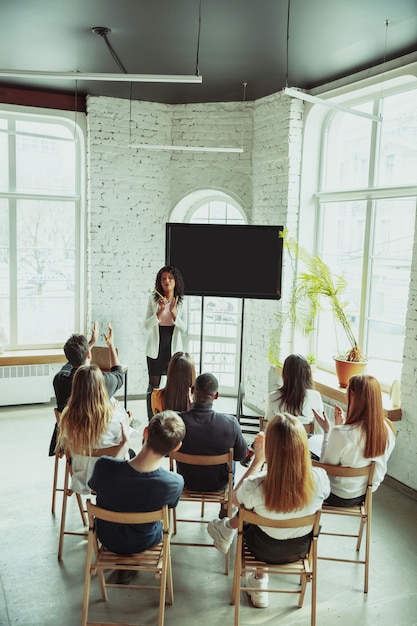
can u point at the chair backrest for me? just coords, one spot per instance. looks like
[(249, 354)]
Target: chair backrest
[(100, 356), (309, 427), (202, 459), (345, 471), (313, 520), (96, 512)]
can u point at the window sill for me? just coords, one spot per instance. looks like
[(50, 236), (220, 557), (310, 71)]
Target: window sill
[(32, 357), (327, 384)]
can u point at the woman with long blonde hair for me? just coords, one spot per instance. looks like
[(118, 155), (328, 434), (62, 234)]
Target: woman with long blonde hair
[(365, 435), (91, 422), (289, 487)]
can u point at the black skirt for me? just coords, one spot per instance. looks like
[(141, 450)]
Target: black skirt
[(266, 548), (159, 366)]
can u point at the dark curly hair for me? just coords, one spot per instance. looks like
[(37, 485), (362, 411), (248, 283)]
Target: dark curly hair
[(179, 282)]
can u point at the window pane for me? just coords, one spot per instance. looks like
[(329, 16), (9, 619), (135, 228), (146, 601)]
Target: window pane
[(44, 165), (398, 149), (4, 274), (343, 241), (4, 158), (45, 271), (390, 278), (347, 151)]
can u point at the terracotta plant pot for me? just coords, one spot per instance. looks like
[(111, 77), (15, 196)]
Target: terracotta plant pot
[(346, 369)]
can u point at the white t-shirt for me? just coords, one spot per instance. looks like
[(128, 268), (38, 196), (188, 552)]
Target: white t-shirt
[(82, 466), (250, 494), (312, 401), (343, 445)]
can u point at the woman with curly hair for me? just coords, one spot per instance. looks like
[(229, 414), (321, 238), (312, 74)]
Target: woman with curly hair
[(166, 324), (364, 436), (176, 395), (91, 423), (289, 487)]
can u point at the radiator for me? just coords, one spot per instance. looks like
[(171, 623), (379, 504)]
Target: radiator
[(26, 384), (329, 410)]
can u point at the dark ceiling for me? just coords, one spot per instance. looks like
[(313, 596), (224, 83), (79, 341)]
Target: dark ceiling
[(241, 41)]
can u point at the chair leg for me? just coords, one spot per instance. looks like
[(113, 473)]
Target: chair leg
[(360, 534), (367, 553), (170, 586), (162, 591), (56, 464), (64, 511), (174, 521), (82, 510), (87, 583)]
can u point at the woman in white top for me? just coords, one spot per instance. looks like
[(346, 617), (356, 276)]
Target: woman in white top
[(166, 324), (91, 423), (290, 487), (296, 395), (364, 436)]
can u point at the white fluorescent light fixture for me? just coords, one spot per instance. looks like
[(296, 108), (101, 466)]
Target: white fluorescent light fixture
[(288, 91), (104, 77), (147, 146)]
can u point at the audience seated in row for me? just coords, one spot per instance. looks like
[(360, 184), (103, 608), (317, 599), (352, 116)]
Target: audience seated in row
[(91, 422), (176, 395), (77, 350), (211, 433), (289, 487), (363, 436), (296, 394), (139, 485)]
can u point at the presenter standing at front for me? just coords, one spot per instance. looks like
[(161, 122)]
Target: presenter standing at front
[(166, 324)]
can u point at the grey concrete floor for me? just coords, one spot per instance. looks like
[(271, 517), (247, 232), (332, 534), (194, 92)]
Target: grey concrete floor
[(37, 590)]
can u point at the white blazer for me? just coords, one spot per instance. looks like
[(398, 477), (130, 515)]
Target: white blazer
[(179, 336)]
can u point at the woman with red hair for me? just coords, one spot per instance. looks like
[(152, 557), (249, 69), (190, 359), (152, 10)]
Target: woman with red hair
[(364, 436)]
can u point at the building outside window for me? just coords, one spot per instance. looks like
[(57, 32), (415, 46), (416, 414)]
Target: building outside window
[(41, 164)]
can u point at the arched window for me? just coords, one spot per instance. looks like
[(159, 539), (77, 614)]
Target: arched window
[(41, 194), (366, 207), (214, 323)]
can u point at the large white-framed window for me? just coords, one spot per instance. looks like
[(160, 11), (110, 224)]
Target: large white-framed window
[(41, 227), (214, 324), (365, 209)]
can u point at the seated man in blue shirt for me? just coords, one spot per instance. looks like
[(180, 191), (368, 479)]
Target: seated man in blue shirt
[(211, 433), (139, 485)]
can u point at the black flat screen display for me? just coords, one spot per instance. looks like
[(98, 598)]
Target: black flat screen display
[(227, 260)]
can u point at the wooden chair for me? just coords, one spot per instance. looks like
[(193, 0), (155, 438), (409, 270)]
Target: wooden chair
[(58, 456), (67, 492), (308, 427), (361, 511), (304, 569), (223, 497), (157, 559)]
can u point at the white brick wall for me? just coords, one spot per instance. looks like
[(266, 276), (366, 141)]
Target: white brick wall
[(132, 192), (403, 463)]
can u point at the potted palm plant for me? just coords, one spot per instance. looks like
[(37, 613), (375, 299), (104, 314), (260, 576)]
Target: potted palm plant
[(314, 284)]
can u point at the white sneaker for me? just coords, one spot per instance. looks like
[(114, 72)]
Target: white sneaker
[(254, 588), (221, 534)]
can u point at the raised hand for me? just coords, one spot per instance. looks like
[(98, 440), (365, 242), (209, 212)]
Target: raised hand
[(322, 420)]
